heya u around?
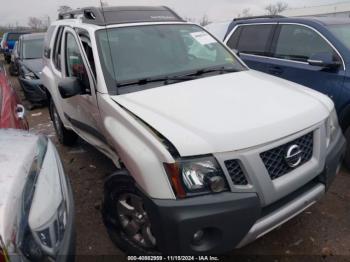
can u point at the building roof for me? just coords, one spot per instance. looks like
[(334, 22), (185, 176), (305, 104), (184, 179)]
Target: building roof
[(318, 10)]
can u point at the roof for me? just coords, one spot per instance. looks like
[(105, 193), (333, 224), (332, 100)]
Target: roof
[(316, 19), (33, 36), (122, 14)]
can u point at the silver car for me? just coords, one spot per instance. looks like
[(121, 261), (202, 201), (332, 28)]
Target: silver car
[(36, 204)]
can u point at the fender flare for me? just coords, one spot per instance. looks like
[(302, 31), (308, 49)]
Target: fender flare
[(344, 118)]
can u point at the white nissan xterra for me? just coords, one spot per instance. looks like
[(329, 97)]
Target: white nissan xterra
[(210, 155)]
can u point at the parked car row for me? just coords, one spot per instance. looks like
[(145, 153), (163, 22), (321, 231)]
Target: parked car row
[(36, 204), (27, 63), (8, 42), (209, 155)]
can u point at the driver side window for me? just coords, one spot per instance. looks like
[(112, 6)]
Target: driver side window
[(300, 43), (74, 62)]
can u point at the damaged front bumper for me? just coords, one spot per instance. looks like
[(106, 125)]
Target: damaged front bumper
[(34, 90), (232, 220)]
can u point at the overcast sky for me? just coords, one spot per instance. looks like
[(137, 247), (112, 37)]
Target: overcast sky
[(18, 11)]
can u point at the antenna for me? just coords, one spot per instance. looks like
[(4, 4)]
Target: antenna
[(109, 44)]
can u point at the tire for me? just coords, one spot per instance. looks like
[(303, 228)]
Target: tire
[(12, 70), (65, 136), (120, 188), (8, 59), (347, 154)]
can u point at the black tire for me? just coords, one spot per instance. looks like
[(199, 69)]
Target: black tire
[(116, 187), (8, 59), (65, 136), (347, 154), (12, 70)]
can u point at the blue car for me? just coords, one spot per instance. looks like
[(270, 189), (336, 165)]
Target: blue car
[(9, 40), (314, 52)]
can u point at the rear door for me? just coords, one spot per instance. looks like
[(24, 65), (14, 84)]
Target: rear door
[(293, 45), (253, 42)]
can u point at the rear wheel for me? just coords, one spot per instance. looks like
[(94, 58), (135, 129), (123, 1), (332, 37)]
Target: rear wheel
[(8, 59), (12, 69), (126, 218), (65, 136), (347, 154)]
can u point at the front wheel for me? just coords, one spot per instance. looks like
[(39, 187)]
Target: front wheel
[(65, 136), (125, 217)]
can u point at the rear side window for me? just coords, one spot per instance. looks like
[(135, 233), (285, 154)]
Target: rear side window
[(299, 43), (254, 39), (57, 48), (47, 40)]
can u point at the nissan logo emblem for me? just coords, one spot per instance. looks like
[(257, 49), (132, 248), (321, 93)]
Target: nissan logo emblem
[(293, 156)]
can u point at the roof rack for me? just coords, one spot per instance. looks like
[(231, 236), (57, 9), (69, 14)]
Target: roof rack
[(257, 17), (122, 14)]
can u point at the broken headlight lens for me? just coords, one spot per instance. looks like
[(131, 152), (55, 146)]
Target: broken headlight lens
[(30, 76)]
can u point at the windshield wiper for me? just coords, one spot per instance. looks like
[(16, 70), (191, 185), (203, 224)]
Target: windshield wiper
[(220, 70), (177, 78), (145, 81)]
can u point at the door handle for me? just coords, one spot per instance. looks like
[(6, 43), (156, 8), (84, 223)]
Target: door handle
[(275, 70)]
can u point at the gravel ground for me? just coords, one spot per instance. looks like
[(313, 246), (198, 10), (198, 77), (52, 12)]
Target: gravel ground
[(322, 232)]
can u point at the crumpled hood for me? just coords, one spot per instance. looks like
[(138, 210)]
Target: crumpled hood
[(34, 65), (227, 112)]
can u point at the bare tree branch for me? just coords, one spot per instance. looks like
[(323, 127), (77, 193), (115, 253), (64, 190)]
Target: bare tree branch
[(204, 20), (245, 13), (277, 8), (64, 9)]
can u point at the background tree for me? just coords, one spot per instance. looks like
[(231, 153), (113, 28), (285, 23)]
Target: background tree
[(277, 8), (35, 23), (204, 20), (245, 13), (104, 3)]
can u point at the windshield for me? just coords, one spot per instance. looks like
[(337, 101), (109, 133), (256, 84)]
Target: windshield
[(33, 48), (342, 32), (141, 52)]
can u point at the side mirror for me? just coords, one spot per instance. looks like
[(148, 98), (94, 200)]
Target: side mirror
[(70, 87), (325, 60)]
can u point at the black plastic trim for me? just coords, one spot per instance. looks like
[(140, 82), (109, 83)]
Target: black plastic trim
[(226, 217), (88, 129)]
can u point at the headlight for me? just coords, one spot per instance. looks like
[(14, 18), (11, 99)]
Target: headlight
[(30, 76), (49, 210), (196, 176), (332, 127)]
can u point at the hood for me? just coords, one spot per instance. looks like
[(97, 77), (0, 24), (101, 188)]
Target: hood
[(227, 112), (34, 65), (17, 152)]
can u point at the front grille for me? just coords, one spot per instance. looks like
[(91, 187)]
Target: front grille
[(275, 161), (236, 173)]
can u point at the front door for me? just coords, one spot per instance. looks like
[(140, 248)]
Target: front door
[(294, 45), (81, 110)]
